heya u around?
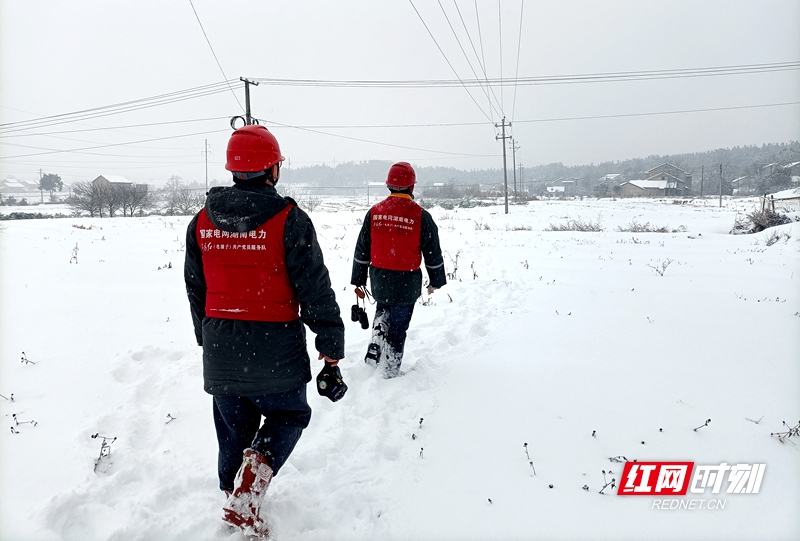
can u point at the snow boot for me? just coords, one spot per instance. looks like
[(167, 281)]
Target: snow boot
[(390, 361), (373, 356), (380, 327), (243, 506)]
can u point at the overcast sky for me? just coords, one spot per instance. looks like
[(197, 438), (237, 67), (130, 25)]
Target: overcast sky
[(62, 57)]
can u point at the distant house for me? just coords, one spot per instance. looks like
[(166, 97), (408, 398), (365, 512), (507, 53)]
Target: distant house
[(668, 172), (563, 185), (745, 185), (612, 177), (794, 171), (109, 181), (13, 187), (769, 169), (666, 180), (651, 188)]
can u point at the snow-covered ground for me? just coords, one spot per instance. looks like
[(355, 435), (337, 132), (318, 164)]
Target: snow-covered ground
[(542, 338)]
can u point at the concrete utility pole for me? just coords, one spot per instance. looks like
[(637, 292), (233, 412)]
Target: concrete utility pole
[(41, 192), (702, 178), (206, 151), (514, 149), (247, 82), (503, 138), (720, 185)]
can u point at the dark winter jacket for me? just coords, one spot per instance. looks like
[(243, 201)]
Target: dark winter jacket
[(246, 358), (399, 287)]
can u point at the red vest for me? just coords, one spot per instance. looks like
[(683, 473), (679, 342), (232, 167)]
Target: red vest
[(245, 272), (395, 234)]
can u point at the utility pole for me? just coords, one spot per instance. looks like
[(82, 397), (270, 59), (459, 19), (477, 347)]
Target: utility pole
[(720, 185), (206, 151), (503, 138), (247, 82), (702, 177), (40, 184), (514, 149)]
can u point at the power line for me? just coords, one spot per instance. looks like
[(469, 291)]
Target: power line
[(370, 141), (63, 166), (84, 150), (446, 60), (500, 40), (481, 60), (359, 126), (626, 115), (544, 80), (485, 90), (169, 97), (560, 119), (311, 127), (516, 74), (215, 88), (107, 110), (429, 125), (224, 77), (149, 124), (483, 57)]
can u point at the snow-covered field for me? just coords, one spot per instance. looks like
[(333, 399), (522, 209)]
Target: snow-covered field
[(543, 338)]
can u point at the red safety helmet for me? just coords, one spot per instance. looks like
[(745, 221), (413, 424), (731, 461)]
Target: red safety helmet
[(251, 149), (401, 175)]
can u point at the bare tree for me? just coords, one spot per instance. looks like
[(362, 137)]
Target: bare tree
[(113, 197), (134, 197), (303, 197), (88, 197), (189, 201), (178, 199)]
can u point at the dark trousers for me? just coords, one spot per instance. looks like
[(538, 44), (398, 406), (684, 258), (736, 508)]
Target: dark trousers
[(398, 317), (238, 423)]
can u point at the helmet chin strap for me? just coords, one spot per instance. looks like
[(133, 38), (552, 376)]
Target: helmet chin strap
[(272, 179), (271, 176)]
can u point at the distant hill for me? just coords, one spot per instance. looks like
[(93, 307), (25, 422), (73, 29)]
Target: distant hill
[(738, 161)]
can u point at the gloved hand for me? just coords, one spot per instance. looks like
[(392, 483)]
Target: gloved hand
[(333, 362), (330, 383)]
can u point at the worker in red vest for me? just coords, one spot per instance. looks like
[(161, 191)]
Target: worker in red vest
[(396, 235), (255, 275)]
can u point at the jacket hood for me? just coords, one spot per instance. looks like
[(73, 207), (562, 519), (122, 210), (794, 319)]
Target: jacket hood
[(243, 207)]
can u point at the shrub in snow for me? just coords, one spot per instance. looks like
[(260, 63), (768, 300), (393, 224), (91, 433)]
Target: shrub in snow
[(18, 422), (764, 219), (783, 436), (577, 225), (105, 448), (636, 227), (612, 483), (702, 425), (661, 269)]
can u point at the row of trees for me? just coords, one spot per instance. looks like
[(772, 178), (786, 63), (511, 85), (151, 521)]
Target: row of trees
[(50, 183), (745, 161), (107, 199), (176, 198)]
